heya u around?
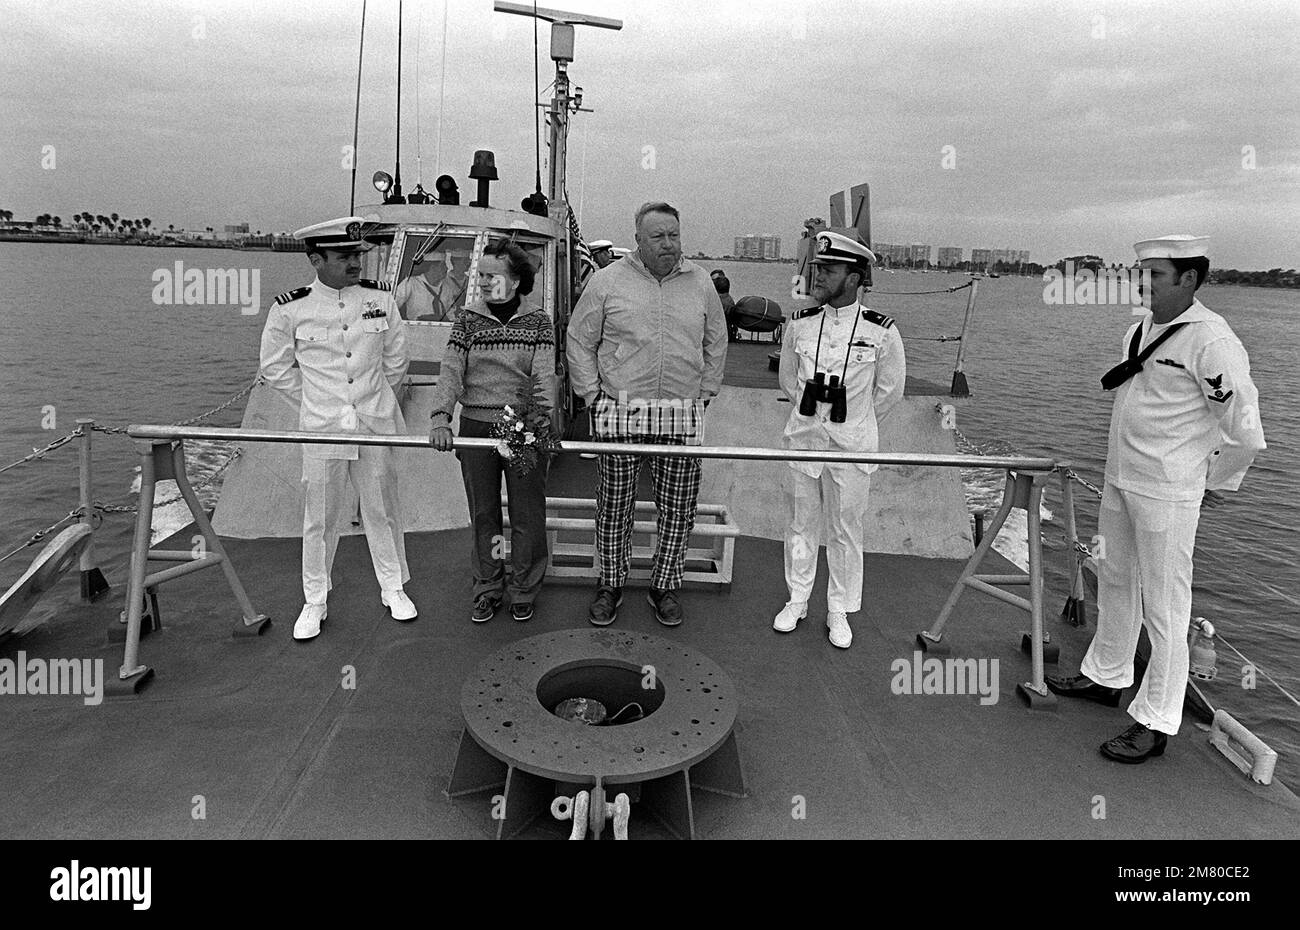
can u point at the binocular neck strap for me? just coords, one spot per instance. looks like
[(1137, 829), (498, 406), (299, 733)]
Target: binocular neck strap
[(849, 348), (821, 327)]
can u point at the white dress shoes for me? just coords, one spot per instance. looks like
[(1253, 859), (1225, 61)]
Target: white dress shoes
[(309, 621), (838, 623), (399, 604), (790, 616)]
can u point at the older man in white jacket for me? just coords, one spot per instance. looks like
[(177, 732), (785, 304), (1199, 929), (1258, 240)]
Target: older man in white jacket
[(347, 339), (1185, 426)]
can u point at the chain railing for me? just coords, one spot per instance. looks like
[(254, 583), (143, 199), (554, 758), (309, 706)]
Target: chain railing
[(1082, 551), (98, 508), (41, 453)]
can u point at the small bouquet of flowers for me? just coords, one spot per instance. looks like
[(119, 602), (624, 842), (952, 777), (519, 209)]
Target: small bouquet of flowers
[(523, 437)]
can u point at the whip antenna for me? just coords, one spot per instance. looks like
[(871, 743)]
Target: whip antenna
[(356, 119), (397, 160), (537, 78)]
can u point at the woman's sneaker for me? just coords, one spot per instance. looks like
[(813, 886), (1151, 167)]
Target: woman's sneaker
[(521, 612), (485, 608)]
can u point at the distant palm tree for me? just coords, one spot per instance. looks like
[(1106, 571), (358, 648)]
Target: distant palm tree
[(171, 228), (58, 222), (113, 217), (147, 222)]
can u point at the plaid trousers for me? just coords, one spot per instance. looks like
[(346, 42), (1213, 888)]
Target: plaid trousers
[(676, 487)]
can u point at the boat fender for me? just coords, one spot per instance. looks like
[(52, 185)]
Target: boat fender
[(291, 296), (807, 312), (871, 316), (375, 285)]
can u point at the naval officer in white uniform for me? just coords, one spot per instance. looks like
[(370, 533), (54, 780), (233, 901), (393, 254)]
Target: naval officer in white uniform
[(1184, 427), (347, 339), (860, 351)]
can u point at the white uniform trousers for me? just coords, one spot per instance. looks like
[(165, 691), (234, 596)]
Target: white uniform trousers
[(1145, 575), (375, 480), (837, 503)]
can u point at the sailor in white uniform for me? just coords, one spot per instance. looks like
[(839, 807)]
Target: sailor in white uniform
[(842, 369), (346, 336), (602, 252), (1184, 427)]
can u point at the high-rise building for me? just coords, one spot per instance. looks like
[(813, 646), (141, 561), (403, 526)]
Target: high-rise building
[(755, 246), (919, 254), (949, 256)]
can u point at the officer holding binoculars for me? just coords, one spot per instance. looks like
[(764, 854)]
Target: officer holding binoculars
[(842, 367)]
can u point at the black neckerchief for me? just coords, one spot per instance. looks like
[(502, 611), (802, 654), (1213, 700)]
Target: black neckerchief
[(1133, 364)]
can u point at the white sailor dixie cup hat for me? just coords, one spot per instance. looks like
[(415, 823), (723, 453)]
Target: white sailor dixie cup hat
[(1172, 247), (833, 247), (341, 235)]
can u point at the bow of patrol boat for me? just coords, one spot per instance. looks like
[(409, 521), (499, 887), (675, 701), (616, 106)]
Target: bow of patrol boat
[(354, 734)]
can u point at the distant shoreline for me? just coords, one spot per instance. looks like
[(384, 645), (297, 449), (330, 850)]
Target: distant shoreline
[(156, 242), (161, 243)]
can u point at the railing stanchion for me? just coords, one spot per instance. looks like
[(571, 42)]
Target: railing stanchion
[(93, 582), (959, 386), (1075, 611)]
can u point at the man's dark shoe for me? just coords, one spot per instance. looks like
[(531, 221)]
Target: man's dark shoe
[(485, 608), (604, 606), (1135, 744), (1081, 686), (521, 612), (668, 610)]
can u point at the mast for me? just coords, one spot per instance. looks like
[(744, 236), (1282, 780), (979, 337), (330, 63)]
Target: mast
[(562, 102)]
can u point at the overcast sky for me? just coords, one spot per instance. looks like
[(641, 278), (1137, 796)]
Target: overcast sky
[(1075, 127)]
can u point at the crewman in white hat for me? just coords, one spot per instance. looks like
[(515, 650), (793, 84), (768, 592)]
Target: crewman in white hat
[(842, 368), (1184, 427), (602, 252), (346, 336)]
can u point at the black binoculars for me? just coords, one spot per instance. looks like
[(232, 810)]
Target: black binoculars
[(818, 390)]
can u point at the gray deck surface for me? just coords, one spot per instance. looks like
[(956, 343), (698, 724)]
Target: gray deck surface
[(264, 732)]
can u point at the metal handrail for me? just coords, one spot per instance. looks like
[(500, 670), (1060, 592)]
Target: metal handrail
[(1023, 463)]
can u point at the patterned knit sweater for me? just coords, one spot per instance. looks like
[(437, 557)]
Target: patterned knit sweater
[(489, 364)]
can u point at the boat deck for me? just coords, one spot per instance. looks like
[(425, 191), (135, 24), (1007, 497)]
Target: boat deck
[(265, 732)]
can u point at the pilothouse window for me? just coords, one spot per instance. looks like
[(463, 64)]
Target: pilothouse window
[(433, 279)]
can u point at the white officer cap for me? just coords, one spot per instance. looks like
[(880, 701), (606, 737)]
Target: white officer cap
[(1172, 247), (597, 244), (341, 235), (833, 247)]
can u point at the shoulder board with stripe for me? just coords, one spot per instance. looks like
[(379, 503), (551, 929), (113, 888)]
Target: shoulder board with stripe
[(375, 285), (804, 314), (871, 316), (290, 296)]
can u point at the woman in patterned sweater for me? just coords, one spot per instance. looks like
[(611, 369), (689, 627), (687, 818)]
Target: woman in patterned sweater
[(501, 352)]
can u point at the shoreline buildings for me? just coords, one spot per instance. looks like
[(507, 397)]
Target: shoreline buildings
[(917, 255), (766, 248)]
